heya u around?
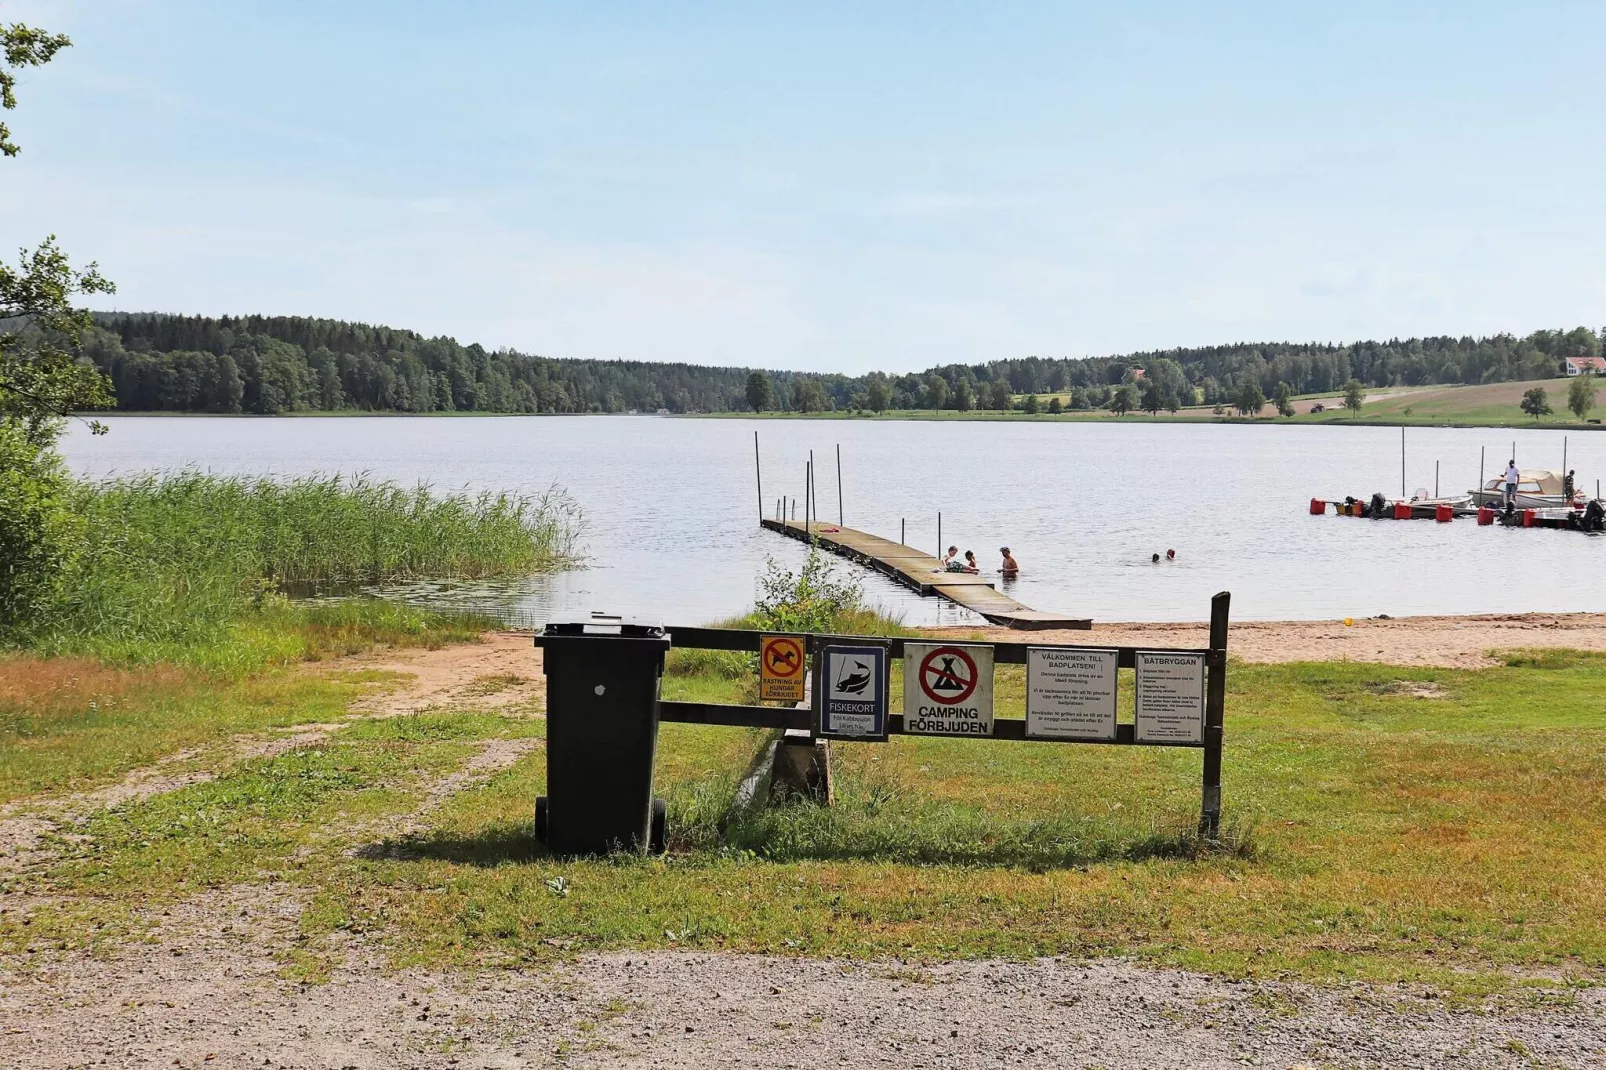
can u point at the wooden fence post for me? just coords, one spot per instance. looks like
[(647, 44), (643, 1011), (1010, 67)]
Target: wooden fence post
[(1215, 717)]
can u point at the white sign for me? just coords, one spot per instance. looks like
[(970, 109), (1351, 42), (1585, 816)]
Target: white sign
[(1170, 698), (1070, 693), (947, 689), (852, 698)]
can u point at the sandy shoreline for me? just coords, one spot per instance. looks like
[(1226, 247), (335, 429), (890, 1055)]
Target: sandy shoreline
[(1450, 642)]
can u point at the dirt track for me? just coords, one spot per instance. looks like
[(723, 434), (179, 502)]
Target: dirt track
[(207, 994)]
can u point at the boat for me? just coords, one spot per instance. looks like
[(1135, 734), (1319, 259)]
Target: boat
[(1537, 488)]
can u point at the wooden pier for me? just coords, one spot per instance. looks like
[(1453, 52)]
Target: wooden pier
[(923, 573)]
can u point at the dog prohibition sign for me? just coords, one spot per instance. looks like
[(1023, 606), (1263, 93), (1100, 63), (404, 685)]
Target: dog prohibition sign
[(947, 689)]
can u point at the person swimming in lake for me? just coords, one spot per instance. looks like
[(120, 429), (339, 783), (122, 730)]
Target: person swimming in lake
[(1010, 567)]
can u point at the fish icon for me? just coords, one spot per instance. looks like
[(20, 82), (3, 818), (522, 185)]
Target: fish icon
[(856, 681)]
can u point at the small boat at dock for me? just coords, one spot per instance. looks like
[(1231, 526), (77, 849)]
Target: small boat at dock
[(1537, 488)]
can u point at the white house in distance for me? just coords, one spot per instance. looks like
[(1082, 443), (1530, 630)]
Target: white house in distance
[(1583, 365)]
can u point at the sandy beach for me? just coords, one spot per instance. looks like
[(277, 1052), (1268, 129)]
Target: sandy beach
[(1449, 642)]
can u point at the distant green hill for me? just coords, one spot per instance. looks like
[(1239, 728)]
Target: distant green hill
[(273, 364)]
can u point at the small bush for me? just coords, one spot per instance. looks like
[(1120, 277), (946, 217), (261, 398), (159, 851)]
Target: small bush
[(40, 534), (812, 599)]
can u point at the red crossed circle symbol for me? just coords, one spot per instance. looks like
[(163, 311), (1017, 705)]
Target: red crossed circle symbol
[(948, 675), (783, 657)]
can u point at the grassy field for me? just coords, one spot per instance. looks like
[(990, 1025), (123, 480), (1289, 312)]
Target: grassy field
[(1385, 823), (1489, 405)]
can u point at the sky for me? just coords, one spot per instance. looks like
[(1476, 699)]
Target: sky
[(824, 186)]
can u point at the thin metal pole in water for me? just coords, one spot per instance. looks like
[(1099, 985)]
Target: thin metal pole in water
[(841, 517), (1563, 454), (1481, 468), (1402, 461), (903, 534), (758, 476), (814, 495), (939, 536), (808, 496), (1435, 479)]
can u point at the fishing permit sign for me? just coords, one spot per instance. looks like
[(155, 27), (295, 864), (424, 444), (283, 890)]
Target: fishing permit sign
[(850, 701), (947, 689)]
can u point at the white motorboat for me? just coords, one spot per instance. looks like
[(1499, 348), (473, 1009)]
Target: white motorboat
[(1537, 488)]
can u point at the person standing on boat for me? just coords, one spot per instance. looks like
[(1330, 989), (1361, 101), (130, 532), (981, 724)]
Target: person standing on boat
[(1569, 484), (1512, 476)]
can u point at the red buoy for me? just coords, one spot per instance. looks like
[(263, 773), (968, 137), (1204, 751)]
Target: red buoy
[(1402, 510), (1444, 514), (1527, 518), (1317, 507), (1485, 515)]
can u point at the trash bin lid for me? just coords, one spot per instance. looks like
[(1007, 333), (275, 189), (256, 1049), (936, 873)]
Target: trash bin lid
[(606, 624)]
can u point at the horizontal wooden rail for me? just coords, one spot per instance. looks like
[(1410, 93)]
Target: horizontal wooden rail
[(747, 641), (803, 718)]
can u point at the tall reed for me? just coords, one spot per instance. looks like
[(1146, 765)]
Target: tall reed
[(169, 556)]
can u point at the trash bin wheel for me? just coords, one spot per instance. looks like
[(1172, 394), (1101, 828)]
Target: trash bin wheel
[(540, 818), (658, 841)]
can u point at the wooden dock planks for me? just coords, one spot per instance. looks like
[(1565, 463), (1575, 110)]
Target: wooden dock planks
[(922, 572)]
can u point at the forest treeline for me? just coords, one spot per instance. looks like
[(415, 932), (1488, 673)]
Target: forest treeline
[(275, 364)]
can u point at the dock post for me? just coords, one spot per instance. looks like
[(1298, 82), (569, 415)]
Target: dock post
[(1435, 479), (1215, 711), (939, 536), (841, 517), (808, 478), (1402, 460), (758, 476), (811, 503), (903, 535)]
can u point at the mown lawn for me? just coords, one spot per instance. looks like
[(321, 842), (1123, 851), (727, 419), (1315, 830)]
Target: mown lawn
[(1384, 823)]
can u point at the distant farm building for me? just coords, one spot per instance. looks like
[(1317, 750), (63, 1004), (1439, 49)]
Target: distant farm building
[(1583, 365)]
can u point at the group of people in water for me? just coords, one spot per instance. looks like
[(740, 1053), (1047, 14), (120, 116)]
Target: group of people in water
[(952, 562)]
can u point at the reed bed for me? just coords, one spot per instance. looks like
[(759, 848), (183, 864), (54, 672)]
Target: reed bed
[(169, 557)]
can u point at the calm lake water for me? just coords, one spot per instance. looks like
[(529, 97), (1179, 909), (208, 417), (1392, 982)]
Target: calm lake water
[(673, 511)]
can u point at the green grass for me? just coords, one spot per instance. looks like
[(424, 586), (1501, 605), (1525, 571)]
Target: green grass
[(71, 723), (1373, 834), (178, 566)]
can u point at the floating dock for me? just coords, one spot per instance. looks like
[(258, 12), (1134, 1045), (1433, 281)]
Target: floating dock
[(923, 573)]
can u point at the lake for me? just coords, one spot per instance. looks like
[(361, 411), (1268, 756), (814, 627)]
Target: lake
[(673, 510)]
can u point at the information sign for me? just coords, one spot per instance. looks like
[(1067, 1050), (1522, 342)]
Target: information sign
[(1070, 693), (947, 689), (1170, 697), (851, 697), (780, 668)]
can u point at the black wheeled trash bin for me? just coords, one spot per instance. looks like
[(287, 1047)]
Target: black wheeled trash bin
[(601, 735)]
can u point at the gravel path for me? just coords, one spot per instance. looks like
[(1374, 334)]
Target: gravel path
[(207, 994)]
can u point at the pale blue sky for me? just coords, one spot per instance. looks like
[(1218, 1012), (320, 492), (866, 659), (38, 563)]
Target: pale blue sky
[(829, 186)]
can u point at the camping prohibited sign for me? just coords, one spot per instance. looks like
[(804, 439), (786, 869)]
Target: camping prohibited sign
[(947, 689), (780, 668), (1070, 693), (850, 701), (1170, 700)]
